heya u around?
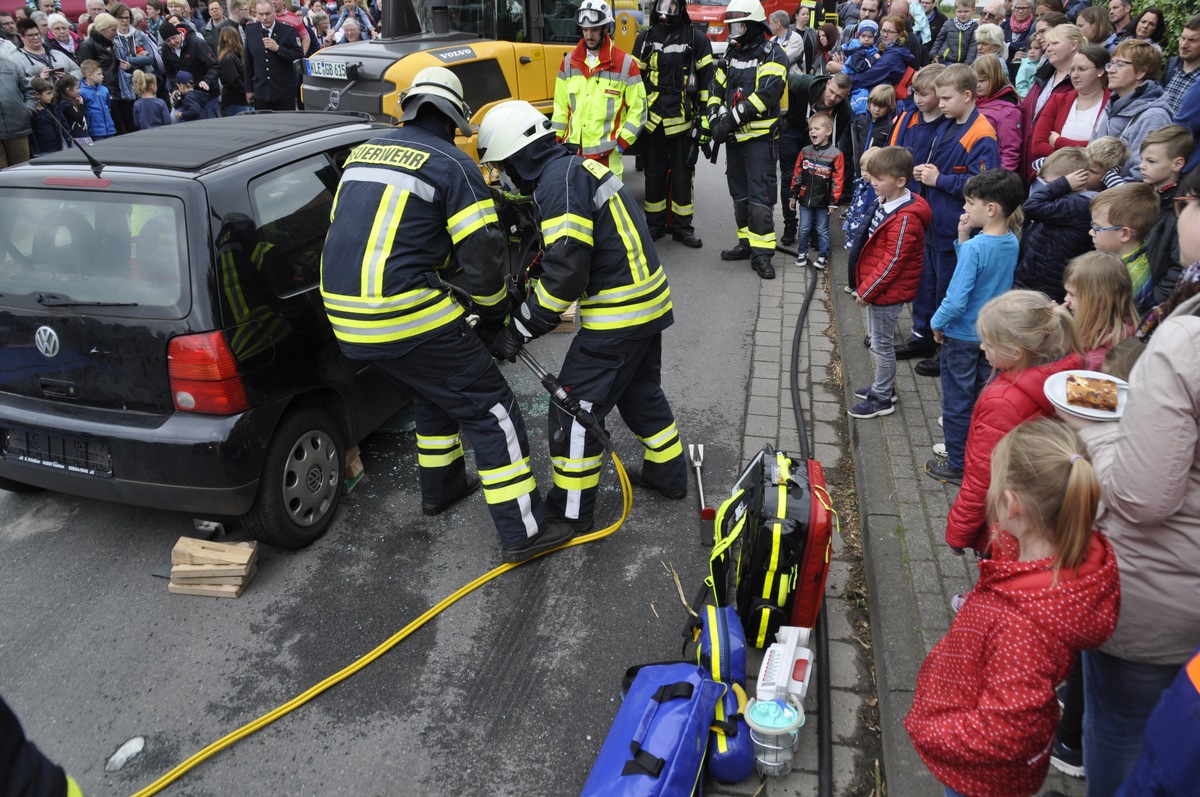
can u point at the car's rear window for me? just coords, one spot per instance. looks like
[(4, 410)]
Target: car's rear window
[(127, 252)]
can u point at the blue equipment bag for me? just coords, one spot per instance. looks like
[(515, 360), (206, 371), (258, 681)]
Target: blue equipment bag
[(721, 646), (656, 745), (730, 749)]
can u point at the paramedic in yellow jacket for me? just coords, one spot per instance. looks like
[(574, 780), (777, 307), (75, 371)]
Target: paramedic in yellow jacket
[(599, 98)]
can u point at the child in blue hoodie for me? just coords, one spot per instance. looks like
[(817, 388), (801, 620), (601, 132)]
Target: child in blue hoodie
[(95, 101), (963, 146)]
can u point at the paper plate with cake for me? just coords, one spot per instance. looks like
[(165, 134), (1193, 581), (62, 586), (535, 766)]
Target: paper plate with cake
[(1088, 394)]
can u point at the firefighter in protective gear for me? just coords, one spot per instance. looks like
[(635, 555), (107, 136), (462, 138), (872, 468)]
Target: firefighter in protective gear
[(599, 98), (743, 110), (677, 68), (597, 249), (410, 201)]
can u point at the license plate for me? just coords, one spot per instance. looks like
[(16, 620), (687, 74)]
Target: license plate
[(70, 454), (333, 69)]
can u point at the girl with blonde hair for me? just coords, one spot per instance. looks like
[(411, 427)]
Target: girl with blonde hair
[(1100, 296)]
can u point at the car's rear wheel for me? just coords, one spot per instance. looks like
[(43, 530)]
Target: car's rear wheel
[(17, 487), (301, 482)]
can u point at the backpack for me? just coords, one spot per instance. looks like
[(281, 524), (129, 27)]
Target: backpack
[(904, 87), (781, 512)]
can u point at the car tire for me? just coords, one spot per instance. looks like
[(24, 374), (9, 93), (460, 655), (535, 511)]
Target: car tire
[(17, 487), (301, 482)]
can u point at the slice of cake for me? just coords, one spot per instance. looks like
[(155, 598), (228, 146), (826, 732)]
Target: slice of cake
[(1094, 394)]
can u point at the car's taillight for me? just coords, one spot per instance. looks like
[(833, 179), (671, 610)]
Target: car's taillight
[(204, 375)]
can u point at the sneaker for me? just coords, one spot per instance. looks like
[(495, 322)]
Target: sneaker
[(939, 450), (637, 478), (821, 262), (1066, 760), (871, 407), (553, 535), (739, 252), (941, 470), (956, 603), (471, 486), (1060, 692), (867, 341), (849, 289), (939, 420), (864, 392)]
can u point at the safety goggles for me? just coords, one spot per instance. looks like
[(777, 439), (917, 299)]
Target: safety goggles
[(590, 18)]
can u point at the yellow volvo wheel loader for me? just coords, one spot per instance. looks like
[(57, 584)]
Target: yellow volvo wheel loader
[(500, 50)]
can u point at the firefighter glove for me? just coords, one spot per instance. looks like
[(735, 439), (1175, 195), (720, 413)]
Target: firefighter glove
[(723, 128), (507, 343)]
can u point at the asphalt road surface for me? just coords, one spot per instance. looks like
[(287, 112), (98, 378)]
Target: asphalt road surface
[(509, 692)]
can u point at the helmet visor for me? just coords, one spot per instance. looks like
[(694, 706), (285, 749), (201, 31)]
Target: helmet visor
[(590, 18), (667, 8), (737, 30)]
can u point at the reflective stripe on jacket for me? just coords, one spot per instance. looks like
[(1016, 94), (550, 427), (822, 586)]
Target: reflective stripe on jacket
[(598, 250), (669, 58), (596, 108), (758, 79), (406, 200)]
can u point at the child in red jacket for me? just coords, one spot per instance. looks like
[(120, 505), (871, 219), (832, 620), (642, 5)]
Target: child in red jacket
[(1026, 339), (984, 711), (887, 257)]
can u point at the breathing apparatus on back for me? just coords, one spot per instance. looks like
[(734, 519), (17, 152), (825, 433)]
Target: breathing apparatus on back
[(746, 22)]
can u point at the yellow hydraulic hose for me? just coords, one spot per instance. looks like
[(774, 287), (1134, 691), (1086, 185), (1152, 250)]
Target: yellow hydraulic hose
[(343, 674)]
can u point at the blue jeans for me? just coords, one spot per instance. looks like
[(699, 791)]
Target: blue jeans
[(965, 370), (1118, 698), (235, 110), (952, 793), (881, 327), (807, 218)]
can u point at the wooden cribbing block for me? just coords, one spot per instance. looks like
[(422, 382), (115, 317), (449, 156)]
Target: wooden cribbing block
[(188, 572), (193, 581), (190, 551), (207, 590)]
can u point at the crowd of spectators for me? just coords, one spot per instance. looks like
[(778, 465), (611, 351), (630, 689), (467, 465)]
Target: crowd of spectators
[(160, 41)]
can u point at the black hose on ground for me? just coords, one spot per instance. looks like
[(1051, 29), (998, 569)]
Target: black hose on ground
[(825, 713)]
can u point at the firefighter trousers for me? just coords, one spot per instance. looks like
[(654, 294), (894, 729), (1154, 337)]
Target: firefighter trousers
[(456, 386), (605, 371), (751, 172), (668, 177)]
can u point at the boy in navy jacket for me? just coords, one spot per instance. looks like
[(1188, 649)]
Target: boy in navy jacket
[(964, 145), (1057, 225), (190, 104)]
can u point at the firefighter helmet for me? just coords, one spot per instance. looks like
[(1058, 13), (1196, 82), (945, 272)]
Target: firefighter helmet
[(440, 87), (746, 22), (508, 128), (594, 14)]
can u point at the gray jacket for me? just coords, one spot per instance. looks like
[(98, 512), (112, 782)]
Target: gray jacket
[(1133, 117), (32, 67), (1149, 468), (17, 101)]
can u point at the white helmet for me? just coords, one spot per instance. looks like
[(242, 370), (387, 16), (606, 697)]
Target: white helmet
[(441, 87), (745, 11), (594, 14), (509, 128)]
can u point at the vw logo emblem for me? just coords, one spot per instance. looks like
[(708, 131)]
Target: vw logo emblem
[(46, 341)]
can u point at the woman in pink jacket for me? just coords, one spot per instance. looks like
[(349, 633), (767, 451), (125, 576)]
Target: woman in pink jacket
[(1000, 105)]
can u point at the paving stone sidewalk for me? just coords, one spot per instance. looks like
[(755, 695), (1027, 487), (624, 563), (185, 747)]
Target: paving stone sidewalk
[(911, 572)]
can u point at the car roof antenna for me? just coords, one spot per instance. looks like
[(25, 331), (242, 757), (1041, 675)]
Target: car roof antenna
[(96, 165)]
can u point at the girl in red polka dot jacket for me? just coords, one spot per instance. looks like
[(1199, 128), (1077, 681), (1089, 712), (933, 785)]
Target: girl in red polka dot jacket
[(984, 712)]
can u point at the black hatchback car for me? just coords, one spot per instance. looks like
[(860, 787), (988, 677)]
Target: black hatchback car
[(162, 337)]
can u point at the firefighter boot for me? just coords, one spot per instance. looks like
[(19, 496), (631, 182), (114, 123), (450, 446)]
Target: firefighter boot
[(762, 266), (739, 252), (789, 234)]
